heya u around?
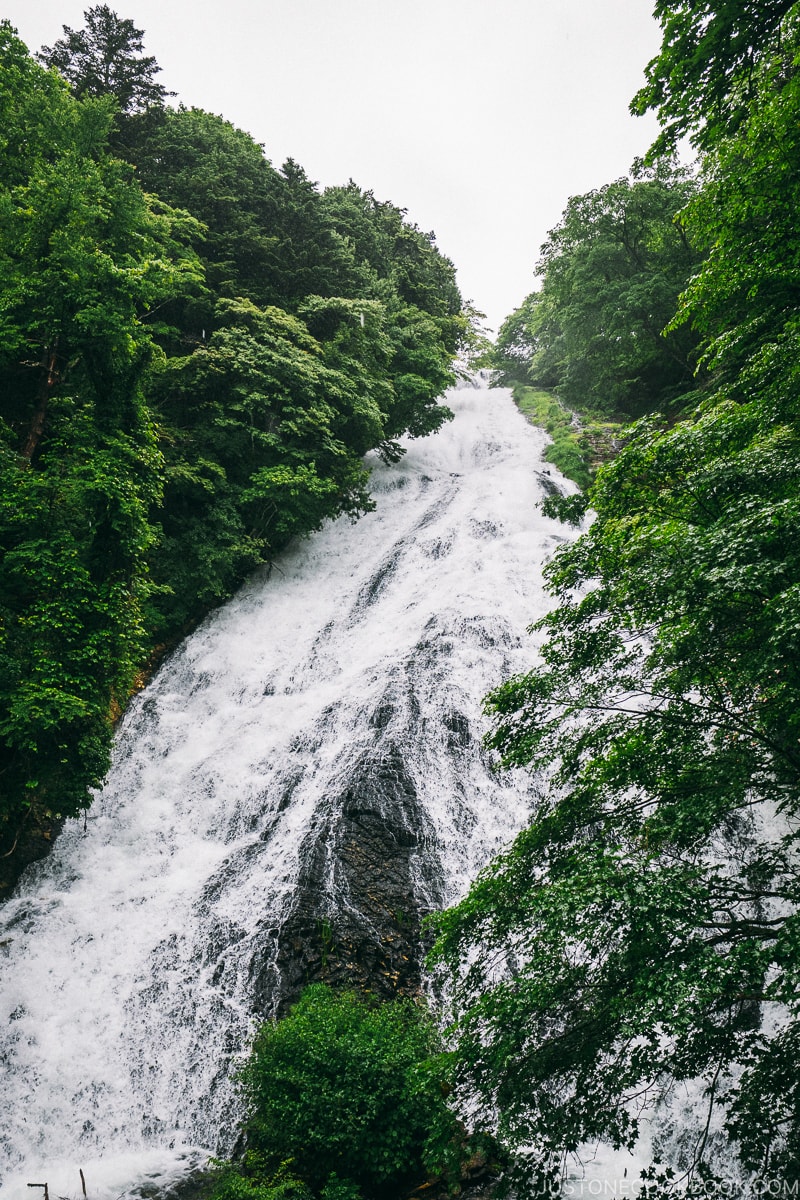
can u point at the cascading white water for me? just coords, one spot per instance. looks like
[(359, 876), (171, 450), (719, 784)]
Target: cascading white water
[(129, 979)]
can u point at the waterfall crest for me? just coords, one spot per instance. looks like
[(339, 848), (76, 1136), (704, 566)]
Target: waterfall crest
[(298, 785)]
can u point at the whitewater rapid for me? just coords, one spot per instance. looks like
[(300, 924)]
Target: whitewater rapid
[(135, 959)]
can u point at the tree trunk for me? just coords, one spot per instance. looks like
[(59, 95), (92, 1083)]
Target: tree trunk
[(49, 378)]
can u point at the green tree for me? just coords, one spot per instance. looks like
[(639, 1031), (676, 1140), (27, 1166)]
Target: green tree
[(704, 78), (185, 389), (302, 314), (350, 1094), (199, 162), (644, 930), (267, 237), (264, 428), (105, 59), (388, 250), (611, 271), (515, 346), (83, 261), (651, 906), (271, 237), (309, 258), (744, 298)]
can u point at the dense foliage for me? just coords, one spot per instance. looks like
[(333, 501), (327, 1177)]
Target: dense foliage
[(327, 327), (345, 1097), (105, 59), (611, 273), (703, 82), (83, 257), (196, 352), (639, 941)]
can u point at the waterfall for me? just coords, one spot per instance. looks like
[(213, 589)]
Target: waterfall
[(300, 783)]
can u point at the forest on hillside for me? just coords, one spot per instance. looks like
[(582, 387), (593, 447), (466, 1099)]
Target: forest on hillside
[(638, 947), (196, 351)]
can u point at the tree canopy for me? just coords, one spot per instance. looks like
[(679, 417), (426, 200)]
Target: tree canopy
[(611, 273), (105, 59), (705, 77), (196, 352), (275, 247), (349, 1095), (84, 259)]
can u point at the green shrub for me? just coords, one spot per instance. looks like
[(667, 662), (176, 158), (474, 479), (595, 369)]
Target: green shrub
[(242, 1183), (578, 446), (340, 1189), (567, 455), (352, 1095)]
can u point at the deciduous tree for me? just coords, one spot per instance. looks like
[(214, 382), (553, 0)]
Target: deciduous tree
[(611, 271), (641, 936), (343, 1089), (704, 78), (84, 260)]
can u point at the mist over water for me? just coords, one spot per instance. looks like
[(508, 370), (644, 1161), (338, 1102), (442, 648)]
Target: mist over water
[(134, 959)]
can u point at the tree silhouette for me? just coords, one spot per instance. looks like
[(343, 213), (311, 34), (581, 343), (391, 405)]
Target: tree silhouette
[(105, 59)]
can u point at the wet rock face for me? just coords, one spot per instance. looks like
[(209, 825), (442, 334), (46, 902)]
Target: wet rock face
[(21, 846), (549, 486), (356, 912)]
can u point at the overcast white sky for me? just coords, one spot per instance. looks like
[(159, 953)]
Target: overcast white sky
[(480, 117)]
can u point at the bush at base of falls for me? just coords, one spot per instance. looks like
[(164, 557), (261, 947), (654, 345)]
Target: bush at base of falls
[(348, 1096)]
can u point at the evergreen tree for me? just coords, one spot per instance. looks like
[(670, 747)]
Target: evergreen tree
[(105, 59)]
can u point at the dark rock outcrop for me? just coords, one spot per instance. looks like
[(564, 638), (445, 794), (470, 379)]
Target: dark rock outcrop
[(357, 908), (25, 844)]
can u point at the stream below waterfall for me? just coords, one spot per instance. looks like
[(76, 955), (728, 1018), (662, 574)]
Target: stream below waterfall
[(299, 784)]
